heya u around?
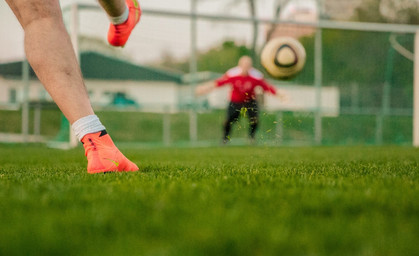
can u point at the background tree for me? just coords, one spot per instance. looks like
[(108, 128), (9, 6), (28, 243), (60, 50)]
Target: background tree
[(217, 59), (388, 11), (255, 25)]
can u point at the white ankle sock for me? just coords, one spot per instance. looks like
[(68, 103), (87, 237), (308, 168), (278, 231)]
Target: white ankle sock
[(86, 125), (121, 18)]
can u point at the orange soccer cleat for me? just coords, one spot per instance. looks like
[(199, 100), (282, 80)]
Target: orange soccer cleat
[(103, 156), (118, 34)]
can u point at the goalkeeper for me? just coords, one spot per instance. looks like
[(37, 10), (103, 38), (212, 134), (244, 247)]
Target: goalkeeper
[(243, 79)]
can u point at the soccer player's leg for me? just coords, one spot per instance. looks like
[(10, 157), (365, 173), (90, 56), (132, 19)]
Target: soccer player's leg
[(233, 114), (253, 112), (124, 16), (51, 55)]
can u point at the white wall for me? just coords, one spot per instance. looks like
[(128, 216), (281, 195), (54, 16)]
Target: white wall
[(154, 96), (36, 90), (303, 98), (149, 95)]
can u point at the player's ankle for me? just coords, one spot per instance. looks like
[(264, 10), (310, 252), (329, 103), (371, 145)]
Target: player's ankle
[(87, 125), (117, 20)]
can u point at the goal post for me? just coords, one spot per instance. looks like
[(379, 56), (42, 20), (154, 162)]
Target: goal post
[(416, 93), (74, 34)]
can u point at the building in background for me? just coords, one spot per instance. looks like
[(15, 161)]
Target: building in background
[(309, 11), (339, 9), (111, 82), (299, 11), (115, 83)]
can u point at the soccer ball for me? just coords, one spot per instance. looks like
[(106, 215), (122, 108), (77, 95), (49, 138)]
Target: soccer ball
[(283, 57)]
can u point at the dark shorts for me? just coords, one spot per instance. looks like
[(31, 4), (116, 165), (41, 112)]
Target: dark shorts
[(250, 109)]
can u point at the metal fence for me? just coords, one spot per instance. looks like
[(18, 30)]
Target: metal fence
[(363, 61)]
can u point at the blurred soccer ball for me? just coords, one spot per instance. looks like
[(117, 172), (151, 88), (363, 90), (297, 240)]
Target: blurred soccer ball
[(283, 57)]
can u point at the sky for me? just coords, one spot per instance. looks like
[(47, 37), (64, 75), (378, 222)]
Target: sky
[(156, 35)]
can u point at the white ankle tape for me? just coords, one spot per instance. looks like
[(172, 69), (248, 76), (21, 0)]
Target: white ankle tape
[(86, 125), (121, 18)]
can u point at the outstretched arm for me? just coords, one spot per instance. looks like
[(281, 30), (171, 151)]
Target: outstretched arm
[(208, 87), (205, 88), (280, 94)]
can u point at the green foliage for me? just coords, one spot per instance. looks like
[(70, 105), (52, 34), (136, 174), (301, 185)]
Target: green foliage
[(362, 58), (218, 59), (388, 11), (225, 57), (369, 11), (213, 201)]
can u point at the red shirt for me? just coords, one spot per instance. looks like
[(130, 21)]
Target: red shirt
[(244, 86)]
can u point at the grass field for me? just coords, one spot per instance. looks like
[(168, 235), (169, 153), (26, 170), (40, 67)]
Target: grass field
[(212, 201)]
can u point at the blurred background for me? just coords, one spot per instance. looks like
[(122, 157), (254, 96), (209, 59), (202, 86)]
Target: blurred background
[(356, 86)]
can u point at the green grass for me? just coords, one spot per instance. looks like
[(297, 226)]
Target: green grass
[(212, 201)]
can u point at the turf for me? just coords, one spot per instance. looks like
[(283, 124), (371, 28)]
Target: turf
[(212, 201)]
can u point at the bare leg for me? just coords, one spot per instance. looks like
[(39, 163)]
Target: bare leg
[(113, 7), (51, 55)]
